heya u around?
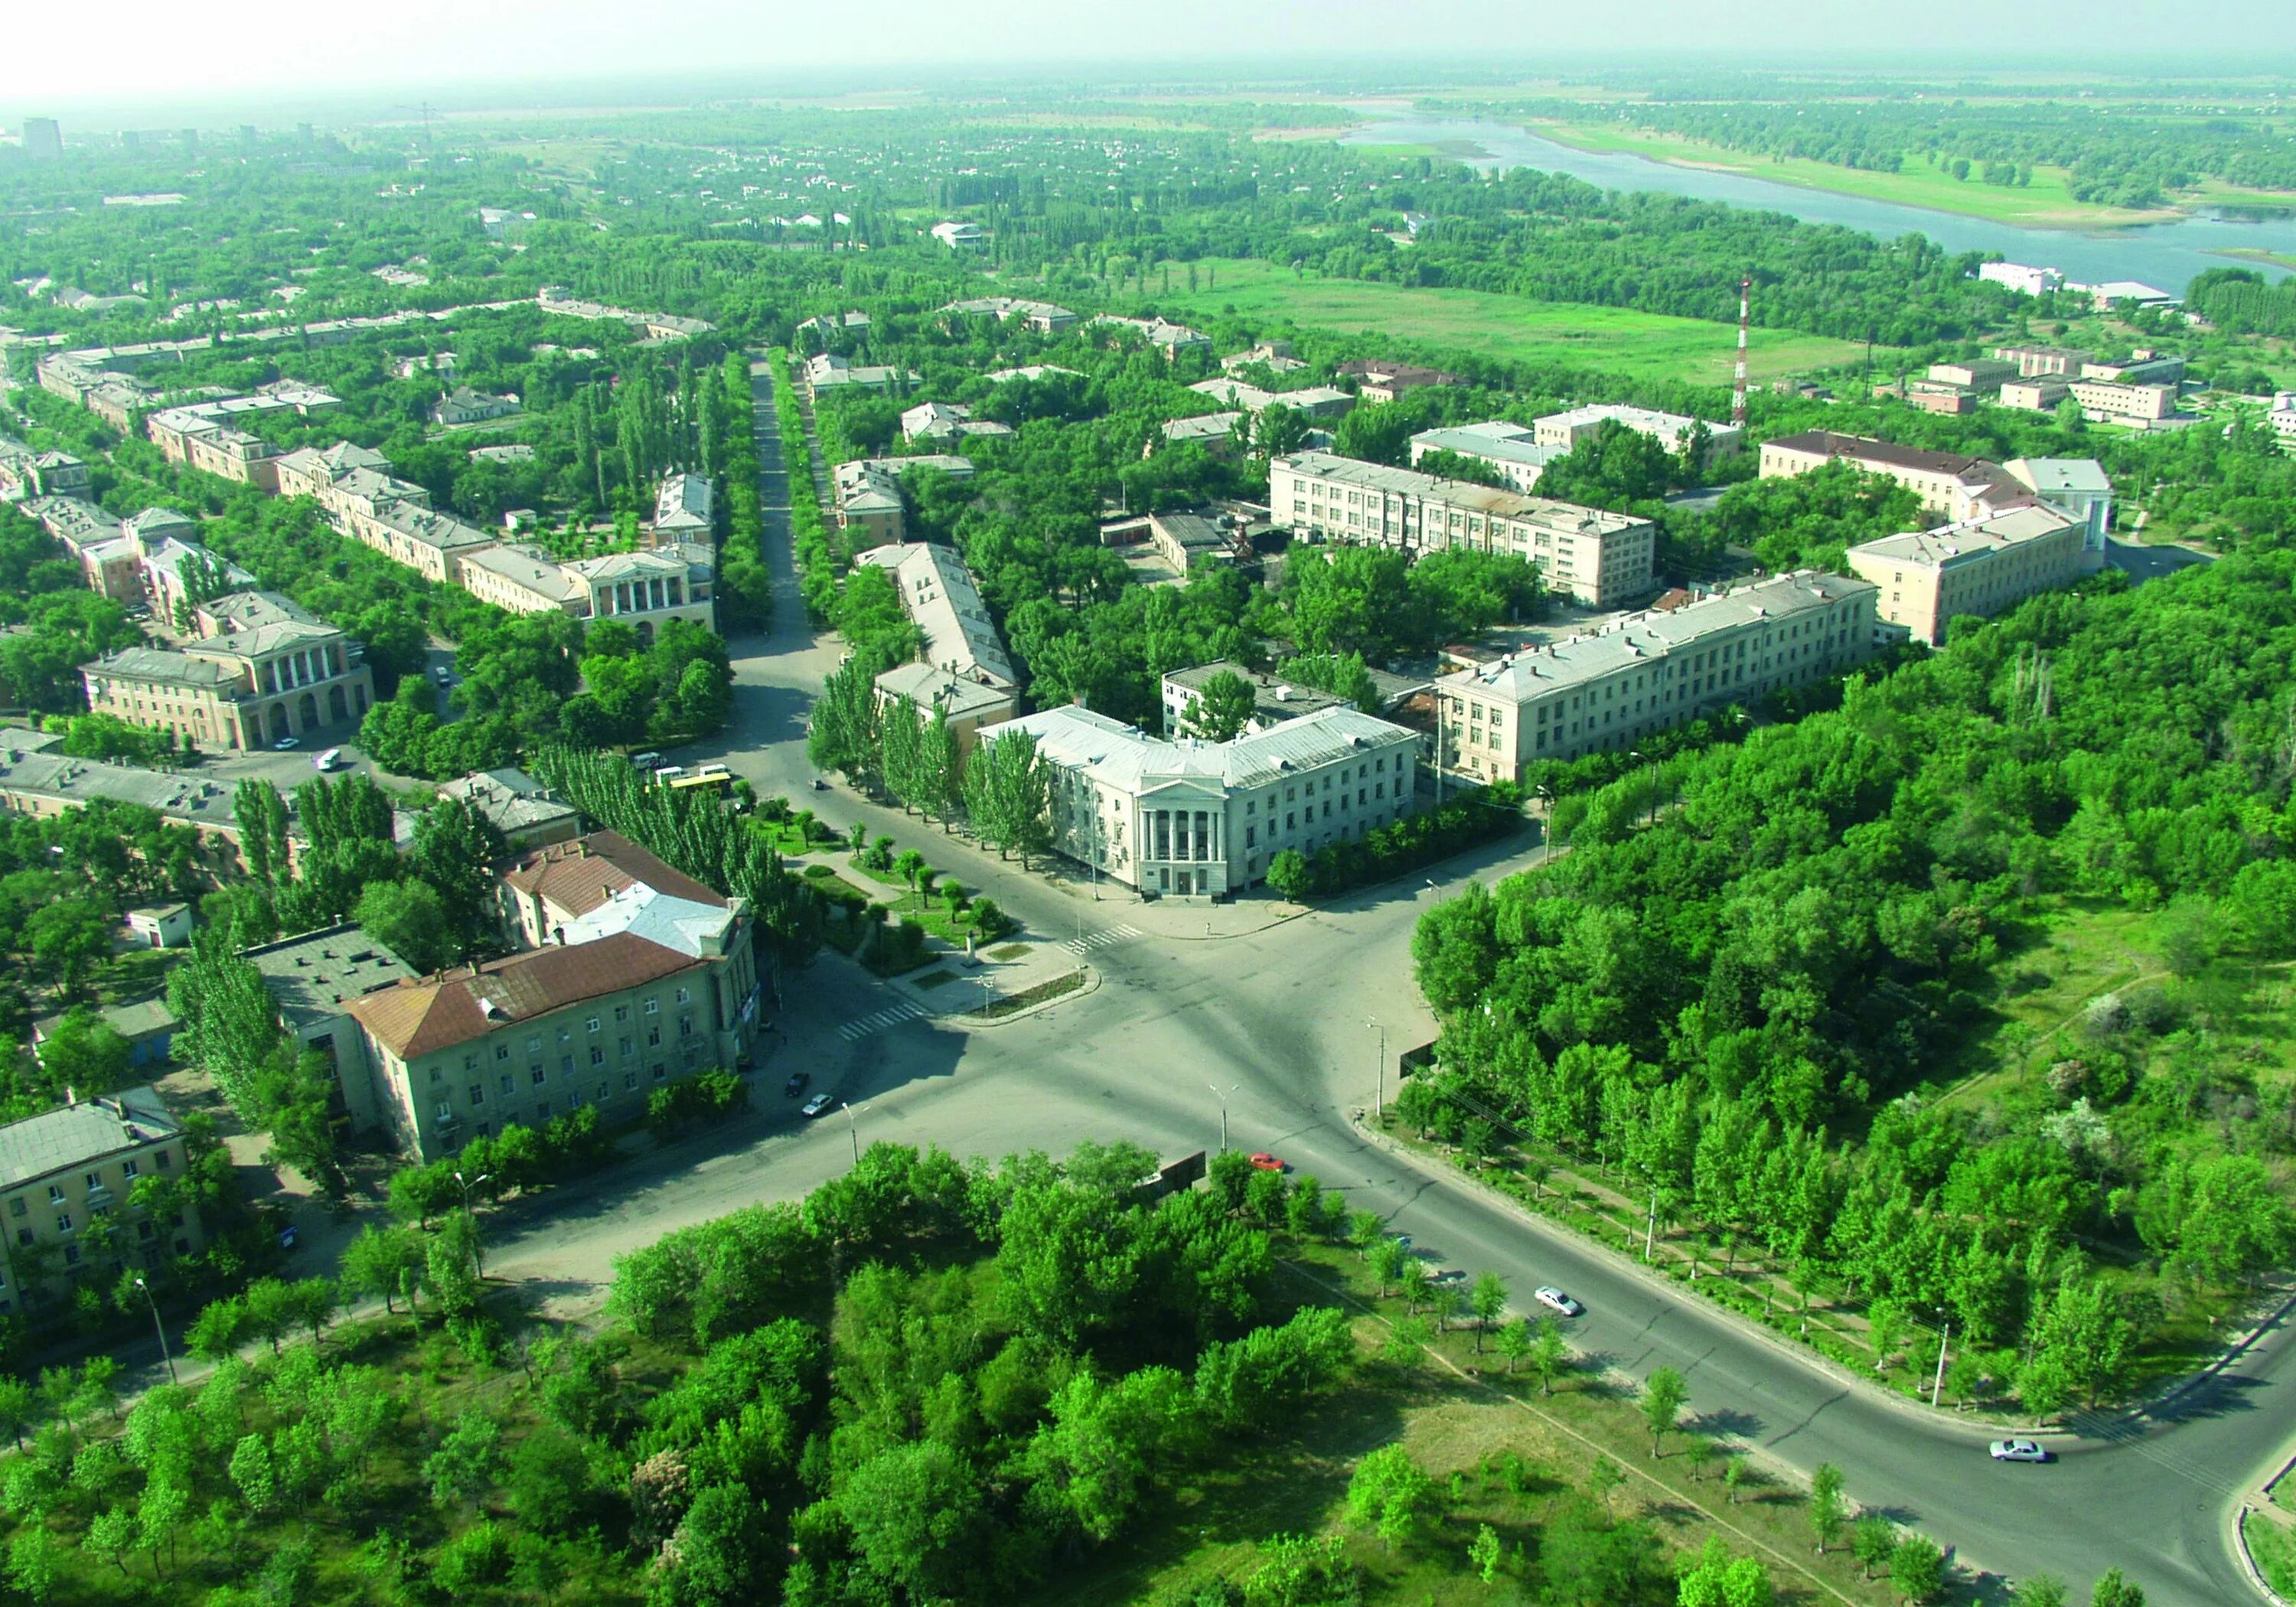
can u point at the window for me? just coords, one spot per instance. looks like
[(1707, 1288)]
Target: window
[(71, 1255), (508, 1085), (653, 1006), (539, 1076), (593, 1023), (653, 1038), (63, 1222), (55, 1194), (446, 1111), (542, 1111), (164, 1159), (605, 1091), (127, 1168), (685, 1026), (621, 1012), (478, 1094), (437, 1075), (16, 1206), (684, 995), (630, 1079), (534, 1045), (597, 1056), (623, 1049), (659, 1072), (566, 1065), (93, 1179), (502, 1051), (24, 1236)]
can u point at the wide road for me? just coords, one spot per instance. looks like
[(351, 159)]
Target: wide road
[(1274, 1024)]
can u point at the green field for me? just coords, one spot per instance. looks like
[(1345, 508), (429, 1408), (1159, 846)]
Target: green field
[(2044, 204), (1616, 340)]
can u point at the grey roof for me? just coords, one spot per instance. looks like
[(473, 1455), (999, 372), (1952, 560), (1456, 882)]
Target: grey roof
[(245, 611), (1273, 697), (142, 1018), (697, 930), (512, 799), (2047, 475), (1497, 439), (163, 664), (1128, 759), (685, 502), (938, 593), (1208, 426), (191, 799), (57, 1141), (1651, 635), (311, 976), (1954, 542), (524, 567), (932, 687)]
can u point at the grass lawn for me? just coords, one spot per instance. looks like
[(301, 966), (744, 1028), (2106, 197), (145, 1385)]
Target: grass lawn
[(1613, 339), (2046, 203)]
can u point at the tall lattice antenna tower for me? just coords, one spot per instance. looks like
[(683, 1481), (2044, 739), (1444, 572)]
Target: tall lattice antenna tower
[(1745, 304)]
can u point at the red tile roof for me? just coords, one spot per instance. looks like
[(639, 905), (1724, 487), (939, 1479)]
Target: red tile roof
[(421, 1015), (578, 876)]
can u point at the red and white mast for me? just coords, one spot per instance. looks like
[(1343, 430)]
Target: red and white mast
[(1738, 401)]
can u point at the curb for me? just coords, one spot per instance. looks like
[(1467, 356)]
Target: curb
[(973, 1023), (2240, 1516), (1805, 1355)]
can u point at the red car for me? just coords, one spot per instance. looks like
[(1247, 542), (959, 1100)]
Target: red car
[(1265, 1163)]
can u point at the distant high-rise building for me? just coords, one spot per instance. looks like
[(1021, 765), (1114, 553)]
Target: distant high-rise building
[(247, 134), (43, 138), (303, 132), (191, 138)]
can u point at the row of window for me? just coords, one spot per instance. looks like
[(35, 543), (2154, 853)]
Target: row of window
[(92, 1181)]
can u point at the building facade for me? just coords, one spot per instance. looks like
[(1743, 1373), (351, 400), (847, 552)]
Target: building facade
[(243, 688), (1673, 431), (2111, 400), (69, 1179), (1951, 485), (1204, 820), (1980, 566), (1510, 450), (1600, 558), (1651, 671)]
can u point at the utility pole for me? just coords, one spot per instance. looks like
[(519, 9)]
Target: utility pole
[(852, 1128), (1936, 1388), (1223, 1099), (160, 1328), (478, 1254), (1379, 1066)]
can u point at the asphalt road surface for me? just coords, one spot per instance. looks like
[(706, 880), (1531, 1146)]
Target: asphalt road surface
[(1275, 1026)]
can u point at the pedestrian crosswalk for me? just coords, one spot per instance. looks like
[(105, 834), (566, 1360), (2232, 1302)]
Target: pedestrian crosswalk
[(1085, 944), (892, 1015)]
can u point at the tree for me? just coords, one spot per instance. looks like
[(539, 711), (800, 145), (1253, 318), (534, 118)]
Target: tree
[(1874, 1540), (2115, 1589), (410, 919), (456, 850), (1663, 1399), (1549, 1357), (1391, 1495), (938, 790), (378, 1260), (468, 1461), (1484, 1554), (2082, 1342), (1289, 874), (900, 750), (1223, 708), (85, 1053), (1008, 794), (1917, 1568), (1828, 1508), (719, 1550), (1514, 1343), (67, 939), (1489, 1301), (1718, 1579), (2041, 1590)]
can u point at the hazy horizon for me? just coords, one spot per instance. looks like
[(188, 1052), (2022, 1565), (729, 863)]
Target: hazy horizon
[(363, 64)]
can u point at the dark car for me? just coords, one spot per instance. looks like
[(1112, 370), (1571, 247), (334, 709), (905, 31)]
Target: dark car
[(796, 1084)]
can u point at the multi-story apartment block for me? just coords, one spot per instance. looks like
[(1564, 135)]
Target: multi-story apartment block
[(685, 509), (1951, 485), (311, 977), (2076, 487), (643, 590), (1512, 450), (312, 472), (2017, 276), (1673, 431), (69, 1177), (869, 501), (1600, 558), (648, 986), (1203, 820), (2035, 396), (432, 544), (555, 888), (24, 472), (2143, 368), (1042, 317), (1171, 338), (1651, 671), (1977, 566), (2039, 362), (1383, 381), (272, 672)]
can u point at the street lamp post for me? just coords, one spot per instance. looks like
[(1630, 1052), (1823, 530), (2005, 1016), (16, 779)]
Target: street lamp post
[(1223, 1099), (1936, 1388), (160, 1328), (1379, 1068), (853, 1127), (478, 1254)]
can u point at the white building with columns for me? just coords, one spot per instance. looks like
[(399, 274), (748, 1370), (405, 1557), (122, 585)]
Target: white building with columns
[(1191, 819)]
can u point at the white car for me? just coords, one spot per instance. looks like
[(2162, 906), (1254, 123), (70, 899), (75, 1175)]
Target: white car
[(815, 1106), (286, 745), (2018, 1450), (1554, 1300)]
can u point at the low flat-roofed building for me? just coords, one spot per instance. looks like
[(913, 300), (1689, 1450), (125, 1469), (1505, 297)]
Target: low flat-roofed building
[(2038, 362), (68, 1171), (1203, 820), (160, 925), (148, 1026), (1042, 317), (2035, 396), (1378, 381), (311, 977), (1951, 485), (1673, 431), (2141, 368), (1600, 558), (527, 814), (1273, 699), (40, 782), (1649, 671), (464, 405), (1033, 371), (2016, 276), (2108, 399), (1215, 432), (1978, 566), (1511, 450), (1986, 374), (970, 701)]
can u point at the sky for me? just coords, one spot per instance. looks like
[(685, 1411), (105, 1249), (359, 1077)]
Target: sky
[(126, 60)]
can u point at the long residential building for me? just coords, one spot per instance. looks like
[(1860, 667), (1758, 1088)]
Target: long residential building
[(1952, 485), (869, 492), (268, 671), (1513, 451), (1673, 431), (25, 473), (1977, 566), (1649, 671), (1600, 558), (970, 674), (1203, 820)]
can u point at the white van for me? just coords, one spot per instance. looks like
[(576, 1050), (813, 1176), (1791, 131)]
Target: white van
[(328, 760)]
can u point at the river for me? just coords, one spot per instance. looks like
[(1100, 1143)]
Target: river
[(2165, 255)]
